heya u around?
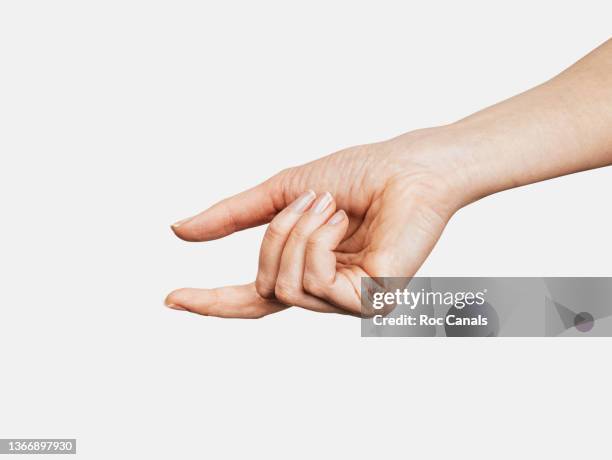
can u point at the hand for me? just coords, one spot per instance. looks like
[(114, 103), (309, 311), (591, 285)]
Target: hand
[(398, 195), (394, 198)]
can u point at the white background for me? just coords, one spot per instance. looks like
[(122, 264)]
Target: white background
[(119, 117)]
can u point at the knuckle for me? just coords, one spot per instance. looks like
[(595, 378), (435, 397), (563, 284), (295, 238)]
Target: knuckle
[(282, 175), (264, 288), (313, 242), (285, 292), (276, 230), (299, 233), (313, 285)]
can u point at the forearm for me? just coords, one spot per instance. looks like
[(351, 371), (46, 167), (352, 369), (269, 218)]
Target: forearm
[(560, 127)]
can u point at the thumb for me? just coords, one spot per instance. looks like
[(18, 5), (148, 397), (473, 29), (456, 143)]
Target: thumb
[(250, 208), (226, 302)]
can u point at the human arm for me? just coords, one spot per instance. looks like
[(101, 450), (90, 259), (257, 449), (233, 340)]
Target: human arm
[(399, 194)]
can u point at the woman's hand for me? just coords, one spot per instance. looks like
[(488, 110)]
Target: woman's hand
[(374, 210), (397, 196)]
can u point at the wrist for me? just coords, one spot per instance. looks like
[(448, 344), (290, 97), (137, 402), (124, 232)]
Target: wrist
[(450, 163), (491, 152)]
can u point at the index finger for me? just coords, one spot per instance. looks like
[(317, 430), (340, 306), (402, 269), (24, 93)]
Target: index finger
[(251, 208)]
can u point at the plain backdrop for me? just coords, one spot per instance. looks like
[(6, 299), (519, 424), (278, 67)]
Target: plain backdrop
[(119, 117)]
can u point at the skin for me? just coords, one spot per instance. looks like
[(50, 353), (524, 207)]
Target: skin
[(386, 204)]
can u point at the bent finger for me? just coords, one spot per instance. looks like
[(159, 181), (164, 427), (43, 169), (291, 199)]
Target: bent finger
[(322, 277), (289, 283), (274, 241)]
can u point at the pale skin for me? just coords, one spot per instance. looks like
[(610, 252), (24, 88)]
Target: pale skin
[(378, 210)]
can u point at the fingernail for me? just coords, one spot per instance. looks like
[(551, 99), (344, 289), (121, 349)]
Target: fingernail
[(175, 307), (180, 222), (303, 201), (337, 218), (322, 203)]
